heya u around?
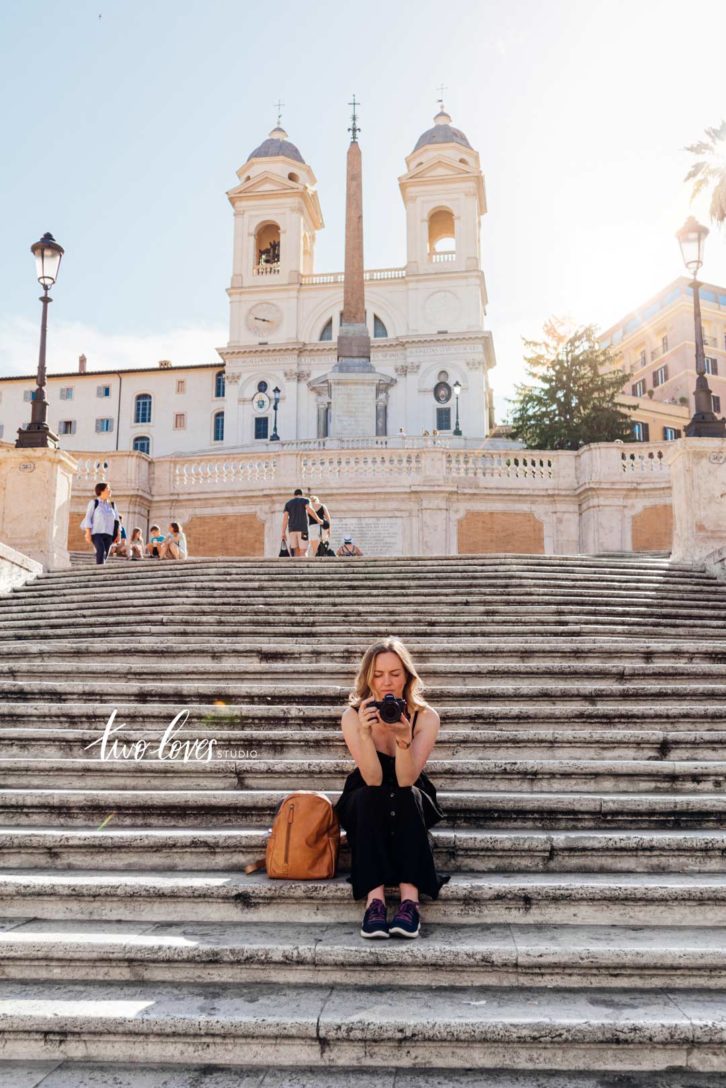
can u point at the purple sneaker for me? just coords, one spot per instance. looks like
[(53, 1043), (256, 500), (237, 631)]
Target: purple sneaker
[(374, 920), (406, 921)]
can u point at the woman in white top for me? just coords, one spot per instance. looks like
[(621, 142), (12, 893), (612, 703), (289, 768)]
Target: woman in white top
[(175, 543)]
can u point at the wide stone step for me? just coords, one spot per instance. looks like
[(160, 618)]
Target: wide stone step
[(487, 653), (205, 771), (317, 695), (439, 674), (500, 955), (69, 1074), (462, 850), (600, 743), (86, 807), (627, 714), (621, 898), (341, 1025)]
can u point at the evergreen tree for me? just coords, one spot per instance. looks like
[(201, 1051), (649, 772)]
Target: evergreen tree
[(573, 398)]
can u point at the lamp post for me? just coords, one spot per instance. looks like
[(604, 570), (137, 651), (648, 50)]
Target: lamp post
[(457, 394), (703, 423), (274, 437), (38, 434)]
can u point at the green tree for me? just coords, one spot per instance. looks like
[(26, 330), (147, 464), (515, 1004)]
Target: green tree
[(710, 170), (573, 396)]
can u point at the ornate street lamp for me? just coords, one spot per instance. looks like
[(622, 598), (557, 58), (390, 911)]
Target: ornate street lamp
[(457, 394), (703, 424), (274, 437), (38, 434)]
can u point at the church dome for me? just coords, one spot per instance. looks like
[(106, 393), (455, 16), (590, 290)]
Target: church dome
[(443, 132), (276, 144)]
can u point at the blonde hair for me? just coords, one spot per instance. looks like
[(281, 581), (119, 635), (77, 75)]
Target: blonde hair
[(413, 687)]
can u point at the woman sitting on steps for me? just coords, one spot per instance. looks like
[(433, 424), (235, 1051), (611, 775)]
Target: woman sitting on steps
[(388, 804)]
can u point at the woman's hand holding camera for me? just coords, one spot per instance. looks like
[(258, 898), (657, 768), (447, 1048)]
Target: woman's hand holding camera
[(367, 715)]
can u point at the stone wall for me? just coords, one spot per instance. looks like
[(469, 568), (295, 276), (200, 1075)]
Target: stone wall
[(500, 531), (652, 528), (225, 534), (16, 569)]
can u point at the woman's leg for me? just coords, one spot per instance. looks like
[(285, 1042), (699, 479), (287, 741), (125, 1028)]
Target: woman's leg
[(172, 550), (408, 891), (379, 893)]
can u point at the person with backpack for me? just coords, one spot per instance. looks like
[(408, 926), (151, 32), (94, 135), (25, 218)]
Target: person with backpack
[(348, 548), (101, 522), (388, 803)]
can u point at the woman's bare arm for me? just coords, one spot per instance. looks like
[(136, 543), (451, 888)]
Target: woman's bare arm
[(411, 761)]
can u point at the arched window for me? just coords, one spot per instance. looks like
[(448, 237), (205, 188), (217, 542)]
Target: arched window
[(141, 443), (326, 333), (293, 177), (441, 232), (219, 426), (379, 329), (267, 249), (219, 383), (142, 408)]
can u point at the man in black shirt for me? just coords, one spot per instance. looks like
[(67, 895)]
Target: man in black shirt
[(295, 523)]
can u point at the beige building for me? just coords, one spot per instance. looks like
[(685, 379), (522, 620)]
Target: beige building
[(654, 346)]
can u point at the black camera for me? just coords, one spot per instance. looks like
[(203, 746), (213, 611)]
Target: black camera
[(390, 709)]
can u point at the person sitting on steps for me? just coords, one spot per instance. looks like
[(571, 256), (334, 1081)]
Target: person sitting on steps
[(388, 803)]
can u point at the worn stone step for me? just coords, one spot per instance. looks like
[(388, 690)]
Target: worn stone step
[(439, 674), (201, 769), (69, 1074), (621, 898), (462, 850), (208, 807), (501, 955), (95, 714), (602, 743), (343, 1025), (185, 692), (618, 652)]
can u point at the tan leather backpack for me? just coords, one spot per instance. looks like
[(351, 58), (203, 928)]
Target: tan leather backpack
[(304, 841)]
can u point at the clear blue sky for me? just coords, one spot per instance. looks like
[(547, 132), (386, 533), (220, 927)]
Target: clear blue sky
[(122, 133)]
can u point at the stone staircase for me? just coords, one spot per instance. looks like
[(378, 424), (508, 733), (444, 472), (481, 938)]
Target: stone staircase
[(581, 942)]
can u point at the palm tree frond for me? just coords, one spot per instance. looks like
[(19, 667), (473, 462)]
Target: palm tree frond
[(695, 170)]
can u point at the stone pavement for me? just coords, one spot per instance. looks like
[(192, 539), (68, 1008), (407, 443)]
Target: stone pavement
[(581, 942)]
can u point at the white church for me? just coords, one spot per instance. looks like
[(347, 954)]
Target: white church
[(423, 353)]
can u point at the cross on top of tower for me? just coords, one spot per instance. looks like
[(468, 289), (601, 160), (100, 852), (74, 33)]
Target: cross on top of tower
[(440, 99), (354, 127), (278, 106)]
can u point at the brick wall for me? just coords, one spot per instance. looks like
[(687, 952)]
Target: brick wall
[(500, 531), (652, 529), (225, 534)]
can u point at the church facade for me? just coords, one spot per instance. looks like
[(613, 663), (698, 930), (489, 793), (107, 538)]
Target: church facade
[(429, 349)]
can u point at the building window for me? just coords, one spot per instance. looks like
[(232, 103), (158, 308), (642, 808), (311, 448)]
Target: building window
[(326, 333), (103, 426), (180, 421), (660, 376), (664, 344), (711, 365), (715, 403), (219, 426), (638, 390), (641, 358), (641, 432), (2, 429), (443, 419), (103, 390), (262, 427), (219, 383), (181, 385), (141, 444), (441, 233), (380, 332), (67, 426), (142, 409), (670, 434), (29, 394), (267, 249), (262, 387), (66, 392)]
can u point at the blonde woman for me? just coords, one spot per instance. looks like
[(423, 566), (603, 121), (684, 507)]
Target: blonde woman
[(388, 803), (324, 521)]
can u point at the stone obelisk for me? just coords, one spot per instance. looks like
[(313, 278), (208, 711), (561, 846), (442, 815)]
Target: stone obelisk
[(353, 379)]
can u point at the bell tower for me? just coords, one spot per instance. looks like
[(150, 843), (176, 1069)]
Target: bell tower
[(443, 193)]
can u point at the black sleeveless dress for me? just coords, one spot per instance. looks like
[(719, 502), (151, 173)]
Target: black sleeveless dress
[(388, 830)]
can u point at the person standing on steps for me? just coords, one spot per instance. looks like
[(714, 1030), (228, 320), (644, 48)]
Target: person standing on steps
[(101, 522), (322, 511), (388, 803), (295, 523)]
